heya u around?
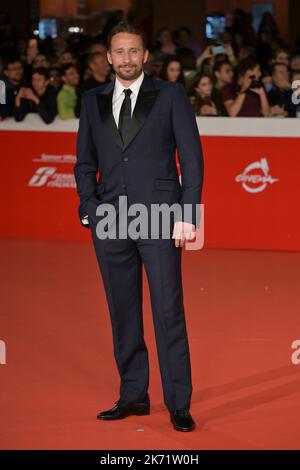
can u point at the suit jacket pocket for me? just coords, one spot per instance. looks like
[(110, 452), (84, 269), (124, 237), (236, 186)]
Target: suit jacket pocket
[(166, 191), (167, 184)]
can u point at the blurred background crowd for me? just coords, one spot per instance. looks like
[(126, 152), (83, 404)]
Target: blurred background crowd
[(243, 72)]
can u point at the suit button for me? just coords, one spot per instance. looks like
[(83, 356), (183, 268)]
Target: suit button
[(125, 159), (124, 186)]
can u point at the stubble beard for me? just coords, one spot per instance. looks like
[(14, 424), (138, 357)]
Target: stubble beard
[(130, 74)]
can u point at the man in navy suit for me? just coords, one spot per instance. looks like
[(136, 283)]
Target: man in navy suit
[(129, 130)]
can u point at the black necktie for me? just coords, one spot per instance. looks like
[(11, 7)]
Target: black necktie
[(125, 115)]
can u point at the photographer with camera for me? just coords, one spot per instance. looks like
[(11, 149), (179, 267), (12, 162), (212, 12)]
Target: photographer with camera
[(246, 97)]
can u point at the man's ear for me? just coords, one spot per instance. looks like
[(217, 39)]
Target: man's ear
[(109, 58), (146, 55)]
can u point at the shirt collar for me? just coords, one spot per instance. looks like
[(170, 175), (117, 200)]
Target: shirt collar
[(134, 87)]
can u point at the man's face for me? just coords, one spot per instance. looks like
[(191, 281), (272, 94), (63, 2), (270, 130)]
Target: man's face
[(253, 74), (14, 72), (282, 57), (281, 75), (184, 37), (100, 65), (67, 57), (40, 61), (71, 77), (295, 64), (257, 72), (165, 36), (98, 47), (39, 82), (225, 74), (127, 55), (55, 78)]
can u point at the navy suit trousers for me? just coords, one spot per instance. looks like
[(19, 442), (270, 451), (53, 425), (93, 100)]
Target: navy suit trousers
[(120, 262)]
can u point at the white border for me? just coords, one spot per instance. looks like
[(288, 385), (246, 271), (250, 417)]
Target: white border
[(249, 127), (33, 122), (210, 126)]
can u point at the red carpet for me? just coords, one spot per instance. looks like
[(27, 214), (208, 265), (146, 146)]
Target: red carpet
[(242, 311)]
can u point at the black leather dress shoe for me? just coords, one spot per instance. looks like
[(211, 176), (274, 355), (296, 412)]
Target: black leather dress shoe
[(123, 408), (182, 420)]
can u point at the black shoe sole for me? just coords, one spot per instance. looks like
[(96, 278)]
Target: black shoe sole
[(137, 412), (184, 429), (178, 428)]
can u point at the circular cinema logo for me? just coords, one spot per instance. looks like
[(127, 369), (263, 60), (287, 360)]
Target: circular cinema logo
[(256, 177)]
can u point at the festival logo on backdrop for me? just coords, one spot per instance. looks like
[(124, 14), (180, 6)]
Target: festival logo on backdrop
[(256, 177)]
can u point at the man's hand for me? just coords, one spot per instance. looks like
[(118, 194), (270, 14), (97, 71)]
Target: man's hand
[(245, 82), (183, 231), (19, 95), (278, 111), (85, 221), (30, 95), (259, 91)]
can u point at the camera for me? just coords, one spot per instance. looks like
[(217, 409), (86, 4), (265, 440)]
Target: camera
[(255, 83)]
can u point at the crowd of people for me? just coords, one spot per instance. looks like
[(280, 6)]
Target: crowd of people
[(243, 74)]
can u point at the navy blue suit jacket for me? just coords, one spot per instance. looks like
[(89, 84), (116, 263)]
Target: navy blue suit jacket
[(144, 166)]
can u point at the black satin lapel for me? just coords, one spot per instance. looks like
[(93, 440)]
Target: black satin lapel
[(105, 110), (144, 103), (143, 106)]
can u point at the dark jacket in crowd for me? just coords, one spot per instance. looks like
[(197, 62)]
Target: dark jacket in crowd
[(283, 98), (46, 108), (88, 84)]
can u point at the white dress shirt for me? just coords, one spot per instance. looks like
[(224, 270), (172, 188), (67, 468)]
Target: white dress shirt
[(119, 96), (117, 100)]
